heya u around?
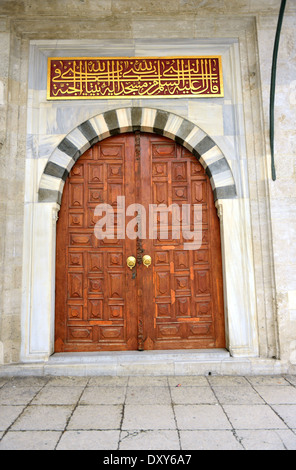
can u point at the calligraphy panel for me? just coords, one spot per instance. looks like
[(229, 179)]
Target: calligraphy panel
[(133, 77)]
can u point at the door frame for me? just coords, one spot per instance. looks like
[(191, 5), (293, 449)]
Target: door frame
[(38, 310)]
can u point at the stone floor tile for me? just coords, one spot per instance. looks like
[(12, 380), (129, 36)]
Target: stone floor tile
[(149, 440), (89, 440), (68, 381), (291, 379), (209, 440), (277, 395), (227, 381), (193, 395), (237, 395), (148, 417), (253, 417), (148, 395), (108, 412), (8, 414), (3, 381), (143, 381), (96, 417), (279, 439), (267, 380), (102, 381), (58, 396), (12, 394), (287, 413), (108, 395), (29, 381), (187, 381), (30, 440), (43, 418), (193, 417)]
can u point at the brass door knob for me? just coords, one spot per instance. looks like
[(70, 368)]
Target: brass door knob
[(131, 262), (146, 260)]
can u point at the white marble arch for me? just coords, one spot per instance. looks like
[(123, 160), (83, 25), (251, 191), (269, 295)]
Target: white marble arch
[(142, 119), (38, 312)]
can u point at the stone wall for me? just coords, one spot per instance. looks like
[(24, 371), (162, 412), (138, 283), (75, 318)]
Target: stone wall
[(282, 192), (272, 204)]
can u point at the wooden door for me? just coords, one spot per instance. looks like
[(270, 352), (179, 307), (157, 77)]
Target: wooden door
[(102, 305), (183, 289), (96, 304)]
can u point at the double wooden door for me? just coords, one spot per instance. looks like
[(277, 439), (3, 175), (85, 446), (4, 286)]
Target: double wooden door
[(102, 304)]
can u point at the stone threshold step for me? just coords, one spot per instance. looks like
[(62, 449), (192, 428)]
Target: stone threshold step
[(139, 356), (153, 363)]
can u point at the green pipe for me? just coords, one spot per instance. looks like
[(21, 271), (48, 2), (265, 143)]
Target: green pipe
[(273, 82)]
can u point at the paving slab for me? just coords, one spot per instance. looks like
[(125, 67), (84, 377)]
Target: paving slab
[(27, 381), (148, 417), (280, 439), (148, 395), (287, 413), (192, 417), (274, 380), (148, 412), (43, 418), (209, 440), (89, 440), (147, 381), (149, 440), (107, 380), (30, 440), (277, 395), (188, 381), (193, 395), (58, 395), (96, 417), (68, 381), (104, 395), (253, 417), (8, 414), (3, 381), (238, 396), (12, 394), (291, 379), (226, 381)]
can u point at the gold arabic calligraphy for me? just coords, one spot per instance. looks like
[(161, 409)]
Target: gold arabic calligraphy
[(134, 77)]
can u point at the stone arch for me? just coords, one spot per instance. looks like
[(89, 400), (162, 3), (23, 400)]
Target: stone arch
[(119, 121)]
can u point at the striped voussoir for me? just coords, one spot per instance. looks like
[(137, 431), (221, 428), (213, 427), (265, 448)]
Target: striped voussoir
[(123, 120)]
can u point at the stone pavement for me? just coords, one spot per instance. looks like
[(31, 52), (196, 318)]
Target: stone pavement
[(161, 413)]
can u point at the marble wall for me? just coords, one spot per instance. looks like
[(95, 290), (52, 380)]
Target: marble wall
[(282, 192), (242, 31)]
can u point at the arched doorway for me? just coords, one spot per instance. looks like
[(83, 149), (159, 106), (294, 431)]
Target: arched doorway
[(40, 232), (177, 301)]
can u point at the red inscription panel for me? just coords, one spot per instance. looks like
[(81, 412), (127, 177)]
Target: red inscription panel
[(128, 77)]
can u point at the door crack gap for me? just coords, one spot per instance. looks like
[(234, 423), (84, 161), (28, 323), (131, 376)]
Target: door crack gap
[(69, 418), (175, 418)]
